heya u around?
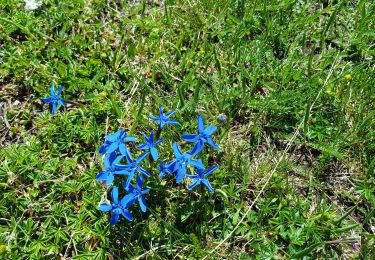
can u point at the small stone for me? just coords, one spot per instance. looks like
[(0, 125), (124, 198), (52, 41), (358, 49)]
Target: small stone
[(222, 118)]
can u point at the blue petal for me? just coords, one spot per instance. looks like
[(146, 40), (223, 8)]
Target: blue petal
[(197, 148), (112, 147), (54, 108), (47, 100), (208, 185), (130, 139), (145, 191), (127, 214), (197, 164), (154, 153), (113, 137), (176, 150), (101, 176), (102, 149), (60, 90), (160, 111), (212, 143), (171, 122), (123, 149), (128, 180), (196, 183), (158, 141), (169, 114), (115, 195), (61, 102), (200, 124), (141, 157), (114, 219), (210, 130), (151, 140), (143, 171), (107, 163), (52, 90), (105, 207), (181, 174), (109, 180), (154, 118), (190, 137), (210, 170), (143, 147), (142, 203), (128, 200), (139, 183)]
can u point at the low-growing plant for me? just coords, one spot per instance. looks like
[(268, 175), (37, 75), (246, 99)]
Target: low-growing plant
[(119, 162)]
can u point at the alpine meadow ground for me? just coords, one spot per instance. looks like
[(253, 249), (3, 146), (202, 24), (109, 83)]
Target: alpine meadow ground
[(288, 86)]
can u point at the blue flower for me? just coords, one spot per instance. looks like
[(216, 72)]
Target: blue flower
[(204, 135), (115, 142), (133, 167), (137, 194), (150, 145), (54, 99), (165, 168), (182, 160), (163, 120), (110, 169), (118, 207), (201, 178)]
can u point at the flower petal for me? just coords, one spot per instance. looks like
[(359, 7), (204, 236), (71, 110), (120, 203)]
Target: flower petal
[(181, 174), (52, 90), (212, 143), (101, 176), (170, 114), (197, 164), (210, 130), (210, 170), (176, 150), (127, 214), (139, 183), (200, 124), (128, 200), (115, 195), (47, 100), (105, 207), (190, 137), (112, 147), (142, 203), (143, 147), (60, 90), (208, 185), (110, 179), (196, 183), (140, 169), (141, 158), (154, 153), (114, 219)]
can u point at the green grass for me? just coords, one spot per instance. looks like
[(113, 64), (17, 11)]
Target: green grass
[(296, 171)]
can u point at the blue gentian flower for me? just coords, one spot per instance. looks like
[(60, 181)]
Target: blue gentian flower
[(204, 135), (150, 145), (165, 168), (182, 160), (110, 169), (133, 167), (116, 142), (137, 193), (201, 178), (163, 120), (54, 99), (118, 207)]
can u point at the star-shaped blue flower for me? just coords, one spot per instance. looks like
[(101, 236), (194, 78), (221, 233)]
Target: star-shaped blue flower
[(165, 168), (182, 160), (150, 145), (116, 142), (163, 120), (201, 178), (133, 167), (117, 207), (204, 135), (137, 194), (110, 169), (54, 99)]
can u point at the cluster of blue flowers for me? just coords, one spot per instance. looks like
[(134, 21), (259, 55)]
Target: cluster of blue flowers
[(115, 149)]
